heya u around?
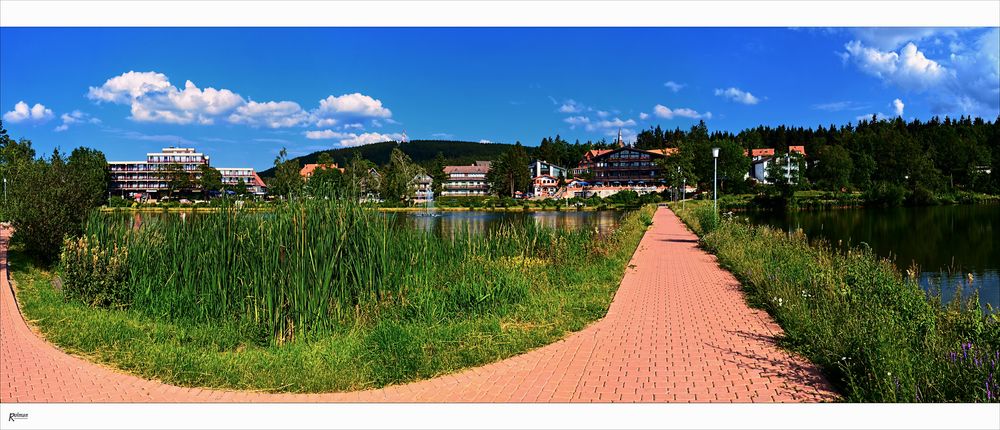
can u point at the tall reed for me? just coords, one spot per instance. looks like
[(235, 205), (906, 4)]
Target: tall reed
[(311, 266)]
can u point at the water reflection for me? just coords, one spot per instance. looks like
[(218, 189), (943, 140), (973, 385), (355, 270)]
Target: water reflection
[(447, 223), (945, 242)]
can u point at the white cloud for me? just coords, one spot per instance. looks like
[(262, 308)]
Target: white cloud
[(485, 141), (643, 115), (570, 106), (352, 139), (443, 135), (673, 86), (574, 121), (153, 98), (909, 69), (888, 38), (325, 134), (22, 113), (737, 95), (615, 123), (190, 105), (603, 113), (667, 113), (367, 138), (75, 117), (354, 105), (354, 125), (269, 114), (897, 106), (129, 86)]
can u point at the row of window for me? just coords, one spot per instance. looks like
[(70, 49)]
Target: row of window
[(627, 164)]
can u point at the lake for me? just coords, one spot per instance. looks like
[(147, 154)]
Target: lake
[(947, 243), (446, 222)]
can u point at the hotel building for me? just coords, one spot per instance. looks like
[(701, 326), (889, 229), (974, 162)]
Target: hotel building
[(146, 179), (466, 180)]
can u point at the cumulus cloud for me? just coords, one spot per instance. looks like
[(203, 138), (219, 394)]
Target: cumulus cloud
[(269, 114), (673, 86), (897, 106), (367, 138), (75, 117), (668, 113), (23, 113), (643, 115), (737, 95), (129, 86), (485, 141), (909, 68), (352, 139), (152, 98), (353, 106), (888, 38)]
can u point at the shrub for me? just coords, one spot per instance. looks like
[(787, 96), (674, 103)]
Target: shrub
[(708, 218), (94, 274)]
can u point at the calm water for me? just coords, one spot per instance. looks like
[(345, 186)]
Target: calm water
[(447, 222), (946, 242)]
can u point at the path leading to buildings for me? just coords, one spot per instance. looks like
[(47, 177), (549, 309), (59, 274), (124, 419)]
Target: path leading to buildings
[(678, 330)]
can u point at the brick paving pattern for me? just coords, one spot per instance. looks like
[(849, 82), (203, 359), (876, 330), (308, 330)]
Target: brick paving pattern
[(678, 330)]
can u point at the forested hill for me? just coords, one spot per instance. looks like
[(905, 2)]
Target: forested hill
[(421, 151)]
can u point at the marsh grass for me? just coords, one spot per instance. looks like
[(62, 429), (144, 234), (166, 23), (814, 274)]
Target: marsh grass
[(878, 336), (319, 296)]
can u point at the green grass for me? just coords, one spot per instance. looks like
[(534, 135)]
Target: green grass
[(878, 336), (294, 314)]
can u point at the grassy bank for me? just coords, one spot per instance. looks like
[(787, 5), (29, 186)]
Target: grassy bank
[(876, 334), (317, 297)]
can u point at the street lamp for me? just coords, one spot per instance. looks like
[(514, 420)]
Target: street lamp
[(715, 179)]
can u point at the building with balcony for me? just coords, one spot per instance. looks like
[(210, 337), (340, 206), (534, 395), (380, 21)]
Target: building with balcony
[(761, 158), (627, 166), (149, 179), (466, 180)]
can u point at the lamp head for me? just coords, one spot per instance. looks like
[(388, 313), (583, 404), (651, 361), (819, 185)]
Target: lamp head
[(715, 152)]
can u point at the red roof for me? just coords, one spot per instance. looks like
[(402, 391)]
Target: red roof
[(466, 169), (595, 152), (762, 152), (799, 149), (309, 169), (663, 151)]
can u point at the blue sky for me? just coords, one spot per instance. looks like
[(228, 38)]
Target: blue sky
[(241, 94)]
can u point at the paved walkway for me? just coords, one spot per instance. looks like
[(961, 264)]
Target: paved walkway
[(678, 330)]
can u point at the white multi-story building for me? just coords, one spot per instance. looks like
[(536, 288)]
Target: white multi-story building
[(146, 178)]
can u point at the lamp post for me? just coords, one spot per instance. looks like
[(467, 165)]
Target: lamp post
[(715, 179)]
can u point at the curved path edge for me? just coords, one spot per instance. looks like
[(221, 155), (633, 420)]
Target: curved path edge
[(678, 330)]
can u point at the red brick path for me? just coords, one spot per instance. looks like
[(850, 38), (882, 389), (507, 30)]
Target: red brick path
[(678, 330)]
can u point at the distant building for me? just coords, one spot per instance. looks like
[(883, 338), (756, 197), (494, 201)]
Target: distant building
[(761, 158), (466, 180), (307, 170), (423, 188), (544, 186), (542, 167), (588, 161), (146, 178), (627, 166)]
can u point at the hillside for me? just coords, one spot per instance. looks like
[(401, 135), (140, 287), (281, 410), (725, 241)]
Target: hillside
[(421, 151)]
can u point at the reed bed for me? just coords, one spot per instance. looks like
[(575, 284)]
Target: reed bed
[(313, 266)]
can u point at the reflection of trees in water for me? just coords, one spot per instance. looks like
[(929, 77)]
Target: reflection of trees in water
[(448, 223), (949, 239)]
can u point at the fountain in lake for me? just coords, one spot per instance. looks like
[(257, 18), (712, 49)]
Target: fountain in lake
[(429, 205)]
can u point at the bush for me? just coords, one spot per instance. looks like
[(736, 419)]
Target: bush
[(886, 194), (94, 275), (708, 218)]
